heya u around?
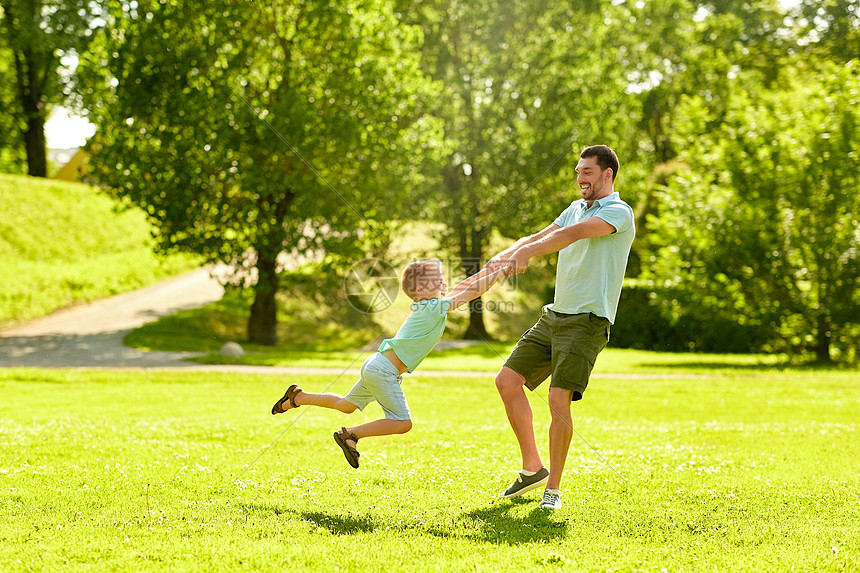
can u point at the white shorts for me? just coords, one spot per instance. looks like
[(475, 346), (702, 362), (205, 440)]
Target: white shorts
[(380, 381)]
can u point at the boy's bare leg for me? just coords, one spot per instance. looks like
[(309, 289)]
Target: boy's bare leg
[(560, 434), (384, 427), (510, 386), (328, 400)]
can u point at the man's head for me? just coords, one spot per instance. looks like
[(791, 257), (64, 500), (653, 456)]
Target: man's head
[(605, 156), (423, 280), (596, 171)]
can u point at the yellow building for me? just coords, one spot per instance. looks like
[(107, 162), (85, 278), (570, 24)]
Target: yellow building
[(75, 168)]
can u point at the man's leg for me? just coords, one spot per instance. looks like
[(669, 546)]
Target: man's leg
[(560, 434), (511, 389)]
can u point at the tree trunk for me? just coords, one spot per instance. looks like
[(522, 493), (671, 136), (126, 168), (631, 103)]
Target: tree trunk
[(476, 329), (31, 96), (263, 322), (34, 142), (822, 347)]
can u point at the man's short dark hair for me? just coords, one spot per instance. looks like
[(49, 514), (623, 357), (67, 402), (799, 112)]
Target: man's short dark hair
[(606, 158)]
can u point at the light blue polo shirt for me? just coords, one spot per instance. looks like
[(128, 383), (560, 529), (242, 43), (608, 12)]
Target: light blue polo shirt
[(590, 271), (420, 332)]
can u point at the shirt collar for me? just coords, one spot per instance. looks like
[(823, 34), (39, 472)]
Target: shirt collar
[(603, 200)]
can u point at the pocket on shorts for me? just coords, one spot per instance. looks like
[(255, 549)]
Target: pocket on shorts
[(601, 332), (588, 336)]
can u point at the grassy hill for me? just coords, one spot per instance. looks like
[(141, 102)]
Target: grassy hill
[(66, 243)]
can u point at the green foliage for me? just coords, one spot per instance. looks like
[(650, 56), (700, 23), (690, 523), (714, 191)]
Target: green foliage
[(830, 29), (12, 156), (66, 243), (521, 92), (253, 131), (763, 225), (37, 34), (668, 319), (172, 471), (518, 84)]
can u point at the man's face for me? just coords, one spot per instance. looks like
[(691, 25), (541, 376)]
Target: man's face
[(592, 179)]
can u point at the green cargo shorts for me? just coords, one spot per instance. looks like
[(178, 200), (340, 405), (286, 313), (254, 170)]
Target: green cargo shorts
[(564, 345)]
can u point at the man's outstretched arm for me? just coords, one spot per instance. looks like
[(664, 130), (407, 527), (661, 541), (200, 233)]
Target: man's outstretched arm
[(556, 240), (501, 260)]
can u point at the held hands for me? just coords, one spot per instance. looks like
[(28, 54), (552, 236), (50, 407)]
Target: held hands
[(514, 263), (517, 263)]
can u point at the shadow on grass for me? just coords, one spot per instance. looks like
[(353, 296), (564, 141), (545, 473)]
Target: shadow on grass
[(498, 523), (339, 524), (495, 524), (336, 523)]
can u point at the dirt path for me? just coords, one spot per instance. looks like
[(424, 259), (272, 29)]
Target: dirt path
[(91, 335)]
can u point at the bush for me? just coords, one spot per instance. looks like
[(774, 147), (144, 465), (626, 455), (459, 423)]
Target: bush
[(664, 320)]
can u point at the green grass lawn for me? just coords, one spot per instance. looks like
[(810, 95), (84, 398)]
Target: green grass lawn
[(65, 243), (169, 471)]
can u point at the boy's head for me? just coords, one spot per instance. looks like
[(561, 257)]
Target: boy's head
[(423, 280)]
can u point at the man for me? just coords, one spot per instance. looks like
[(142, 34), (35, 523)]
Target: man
[(594, 235)]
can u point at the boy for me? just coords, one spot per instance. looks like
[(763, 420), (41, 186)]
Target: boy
[(381, 373)]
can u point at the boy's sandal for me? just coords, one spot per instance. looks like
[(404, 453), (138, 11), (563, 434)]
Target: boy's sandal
[(349, 452), (289, 396)]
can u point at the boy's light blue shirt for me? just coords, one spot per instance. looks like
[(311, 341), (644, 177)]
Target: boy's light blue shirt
[(590, 271), (420, 332)]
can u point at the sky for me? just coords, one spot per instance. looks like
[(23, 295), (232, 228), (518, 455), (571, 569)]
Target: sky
[(64, 131)]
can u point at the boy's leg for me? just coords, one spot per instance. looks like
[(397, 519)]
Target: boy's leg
[(346, 438), (327, 400), (383, 427), (380, 381)]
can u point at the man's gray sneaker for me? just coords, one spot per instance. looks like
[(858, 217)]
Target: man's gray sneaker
[(525, 483), (551, 499)]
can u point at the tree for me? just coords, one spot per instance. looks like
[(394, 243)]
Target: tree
[(38, 33), (250, 131), (831, 28), (767, 214), (520, 89)]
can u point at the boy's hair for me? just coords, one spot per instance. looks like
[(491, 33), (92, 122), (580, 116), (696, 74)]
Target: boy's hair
[(606, 157), (414, 273)]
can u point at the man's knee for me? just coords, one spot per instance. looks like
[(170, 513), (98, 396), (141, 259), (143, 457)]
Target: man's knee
[(508, 381), (559, 400)]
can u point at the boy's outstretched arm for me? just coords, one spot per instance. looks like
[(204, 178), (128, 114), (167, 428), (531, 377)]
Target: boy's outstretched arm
[(474, 286)]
